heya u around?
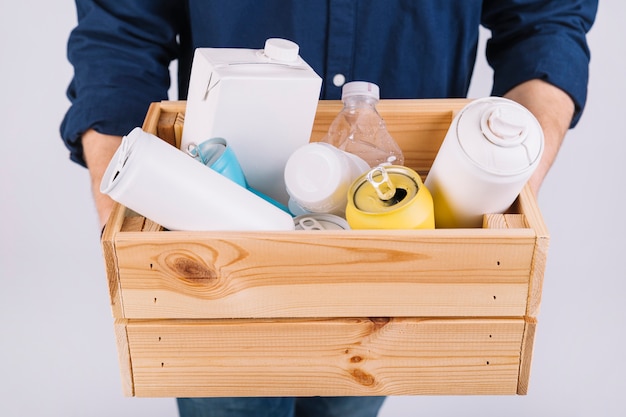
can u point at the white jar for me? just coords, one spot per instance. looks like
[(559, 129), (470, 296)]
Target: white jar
[(490, 151), (318, 176)]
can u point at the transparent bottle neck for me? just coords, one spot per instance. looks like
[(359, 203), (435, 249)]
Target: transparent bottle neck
[(359, 101)]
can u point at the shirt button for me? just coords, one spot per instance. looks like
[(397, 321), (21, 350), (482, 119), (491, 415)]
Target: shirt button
[(339, 80)]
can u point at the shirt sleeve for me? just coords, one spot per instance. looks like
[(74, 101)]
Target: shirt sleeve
[(540, 39), (121, 53)]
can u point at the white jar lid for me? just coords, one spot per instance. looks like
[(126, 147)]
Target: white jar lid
[(500, 136), (317, 177)]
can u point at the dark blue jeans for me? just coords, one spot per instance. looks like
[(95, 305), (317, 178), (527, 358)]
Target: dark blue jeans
[(280, 407)]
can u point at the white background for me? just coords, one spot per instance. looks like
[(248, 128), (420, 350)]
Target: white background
[(57, 351)]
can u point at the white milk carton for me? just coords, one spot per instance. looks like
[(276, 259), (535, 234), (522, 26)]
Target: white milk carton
[(263, 102)]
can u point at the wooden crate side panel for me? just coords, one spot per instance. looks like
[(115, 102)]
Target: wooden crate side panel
[(418, 126), (528, 206), (124, 357), (113, 226), (325, 357), (528, 343), (504, 221), (165, 127), (156, 111), (507, 221), (325, 274), (173, 106)]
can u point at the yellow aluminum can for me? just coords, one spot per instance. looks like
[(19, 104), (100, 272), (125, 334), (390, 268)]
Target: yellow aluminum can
[(390, 197)]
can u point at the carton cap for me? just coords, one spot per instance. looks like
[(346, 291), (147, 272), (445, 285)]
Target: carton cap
[(281, 50)]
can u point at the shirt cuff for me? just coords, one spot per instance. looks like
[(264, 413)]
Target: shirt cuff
[(559, 61), (113, 112)]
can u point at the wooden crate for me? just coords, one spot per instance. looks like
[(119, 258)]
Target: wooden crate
[(303, 313)]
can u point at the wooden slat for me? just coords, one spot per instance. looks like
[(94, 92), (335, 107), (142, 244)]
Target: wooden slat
[(418, 126), (165, 127), (124, 357), (529, 206), (111, 229), (156, 111), (325, 357), (133, 224), (151, 226), (504, 221), (325, 274), (178, 128), (528, 342), (172, 106)]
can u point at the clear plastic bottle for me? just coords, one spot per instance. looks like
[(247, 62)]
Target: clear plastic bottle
[(359, 129)]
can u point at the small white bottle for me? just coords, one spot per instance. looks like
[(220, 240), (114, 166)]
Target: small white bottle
[(359, 129), (318, 176)]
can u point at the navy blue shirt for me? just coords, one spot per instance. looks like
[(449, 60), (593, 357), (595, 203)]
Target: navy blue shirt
[(121, 51)]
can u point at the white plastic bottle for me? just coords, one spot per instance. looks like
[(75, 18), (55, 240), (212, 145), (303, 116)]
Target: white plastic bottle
[(490, 151), (359, 129), (318, 176)]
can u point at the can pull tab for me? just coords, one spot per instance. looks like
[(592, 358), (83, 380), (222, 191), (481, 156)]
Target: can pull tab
[(192, 150), (387, 192), (309, 223), (379, 179)]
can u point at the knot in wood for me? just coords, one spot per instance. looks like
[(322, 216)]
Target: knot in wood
[(191, 269), (363, 377), (379, 322)]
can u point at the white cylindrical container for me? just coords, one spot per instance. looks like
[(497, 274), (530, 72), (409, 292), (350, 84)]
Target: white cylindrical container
[(318, 176), (490, 151), (171, 188)]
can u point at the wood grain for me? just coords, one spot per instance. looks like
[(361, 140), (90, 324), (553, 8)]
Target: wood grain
[(328, 274), (397, 356)]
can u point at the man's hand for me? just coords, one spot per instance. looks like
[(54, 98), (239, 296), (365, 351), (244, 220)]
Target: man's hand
[(554, 110), (98, 150)]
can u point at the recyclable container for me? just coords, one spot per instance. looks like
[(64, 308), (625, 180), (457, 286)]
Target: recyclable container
[(328, 312)]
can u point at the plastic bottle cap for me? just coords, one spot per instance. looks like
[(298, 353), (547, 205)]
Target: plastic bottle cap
[(505, 125), (317, 176), (360, 88), (509, 140), (281, 50)]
